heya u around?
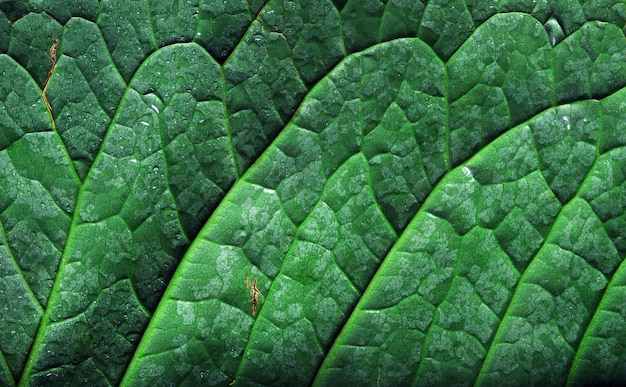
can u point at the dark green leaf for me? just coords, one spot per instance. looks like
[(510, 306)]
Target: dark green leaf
[(329, 193)]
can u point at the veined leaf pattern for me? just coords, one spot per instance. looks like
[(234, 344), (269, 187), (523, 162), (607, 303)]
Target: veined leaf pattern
[(293, 193)]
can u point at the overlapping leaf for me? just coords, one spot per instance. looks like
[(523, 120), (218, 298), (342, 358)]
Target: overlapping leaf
[(441, 208)]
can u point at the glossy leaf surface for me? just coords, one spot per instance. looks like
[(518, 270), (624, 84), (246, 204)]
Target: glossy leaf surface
[(312, 193)]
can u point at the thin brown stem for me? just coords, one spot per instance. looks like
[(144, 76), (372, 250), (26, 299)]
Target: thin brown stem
[(255, 294), (53, 57)]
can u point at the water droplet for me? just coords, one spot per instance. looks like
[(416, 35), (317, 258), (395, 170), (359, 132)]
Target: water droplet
[(258, 39), (554, 31)]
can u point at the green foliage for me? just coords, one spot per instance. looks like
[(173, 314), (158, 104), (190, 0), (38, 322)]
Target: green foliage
[(330, 192)]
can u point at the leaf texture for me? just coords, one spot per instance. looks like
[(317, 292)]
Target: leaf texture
[(326, 193)]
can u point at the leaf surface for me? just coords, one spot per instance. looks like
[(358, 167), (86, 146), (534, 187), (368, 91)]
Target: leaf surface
[(281, 193)]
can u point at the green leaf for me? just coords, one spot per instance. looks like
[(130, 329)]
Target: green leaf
[(327, 193), (86, 88)]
